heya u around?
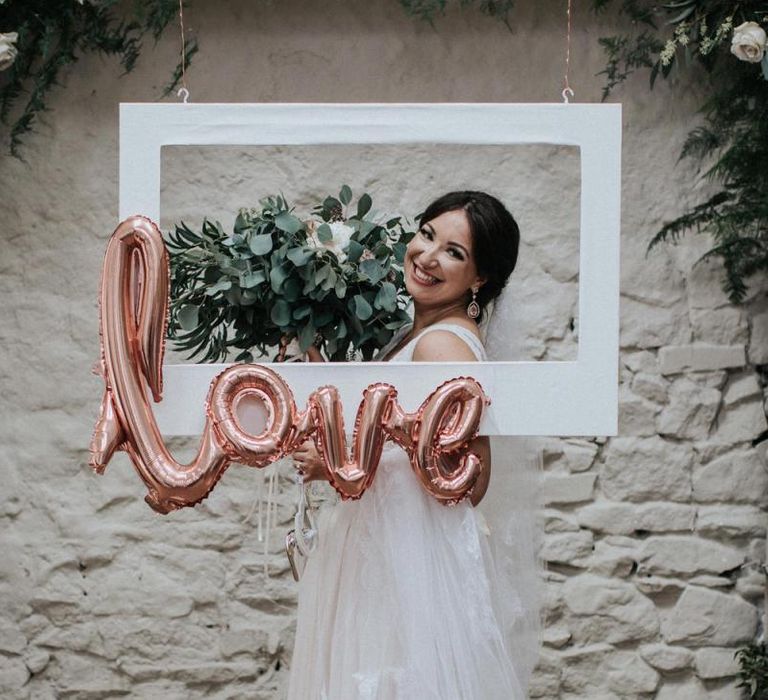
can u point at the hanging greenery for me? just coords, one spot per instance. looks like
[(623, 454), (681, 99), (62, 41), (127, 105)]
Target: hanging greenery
[(39, 39), (730, 147)]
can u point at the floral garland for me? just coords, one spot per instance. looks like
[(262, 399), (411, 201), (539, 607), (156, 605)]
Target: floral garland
[(731, 146), (39, 39)]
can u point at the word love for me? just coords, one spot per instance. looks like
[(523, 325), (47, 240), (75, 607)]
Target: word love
[(133, 315)]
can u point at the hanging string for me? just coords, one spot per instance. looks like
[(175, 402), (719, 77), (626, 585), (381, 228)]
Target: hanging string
[(567, 88), (183, 91)]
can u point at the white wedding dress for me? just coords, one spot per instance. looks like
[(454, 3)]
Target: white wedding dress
[(397, 602)]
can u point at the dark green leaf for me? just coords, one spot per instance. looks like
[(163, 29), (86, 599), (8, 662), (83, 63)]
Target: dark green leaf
[(386, 297), (372, 270), (364, 205), (288, 222), (324, 233), (281, 313), (252, 279), (187, 317), (354, 251), (222, 285), (261, 244), (307, 336), (300, 256), (345, 195), (277, 276), (363, 309)]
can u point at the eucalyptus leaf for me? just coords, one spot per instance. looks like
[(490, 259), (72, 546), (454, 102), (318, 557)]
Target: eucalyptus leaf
[(363, 309), (300, 256), (288, 222), (292, 289), (324, 233), (187, 317), (253, 278), (386, 297), (260, 244), (277, 276), (354, 251), (307, 336), (221, 286), (281, 313), (372, 270), (345, 195), (363, 205)]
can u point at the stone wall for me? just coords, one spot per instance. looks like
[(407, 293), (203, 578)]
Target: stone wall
[(654, 538)]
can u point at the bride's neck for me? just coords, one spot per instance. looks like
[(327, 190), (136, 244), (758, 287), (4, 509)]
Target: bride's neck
[(422, 318)]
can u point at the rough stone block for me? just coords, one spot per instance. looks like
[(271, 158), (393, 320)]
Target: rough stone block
[(641, 361), (758, 346), (703, 617), (680, 555), (572, 488), (651, 387), (667, 658), (628, 675), (613, 556), (700, 357), (647, 326), (716, 662), (637, 416), (741, 422), (739, 476), (646, 469), (567, 547), (690, 412), (608, 610), (724, 326), (628, 518), (731, 521)]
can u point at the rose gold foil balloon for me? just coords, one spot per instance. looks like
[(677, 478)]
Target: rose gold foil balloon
[(133, 320), (133, 309), (351, 477), (437, 438)]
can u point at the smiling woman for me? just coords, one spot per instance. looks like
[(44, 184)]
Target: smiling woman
[(383, 605), (459, 261)]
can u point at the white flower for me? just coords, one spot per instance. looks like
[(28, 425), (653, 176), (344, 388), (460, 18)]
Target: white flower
[(8, 51), (341, 234), (748, 43)]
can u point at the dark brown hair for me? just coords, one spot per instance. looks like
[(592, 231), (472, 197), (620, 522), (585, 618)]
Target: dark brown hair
[(495, 237)]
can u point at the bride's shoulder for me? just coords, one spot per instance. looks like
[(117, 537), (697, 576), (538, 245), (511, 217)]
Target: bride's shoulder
[(451, 340)]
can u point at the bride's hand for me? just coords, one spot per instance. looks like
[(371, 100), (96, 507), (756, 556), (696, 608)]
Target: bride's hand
[(309, 463), (313, 354)]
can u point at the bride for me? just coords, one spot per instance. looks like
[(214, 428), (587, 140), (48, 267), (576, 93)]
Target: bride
[(403, 598)]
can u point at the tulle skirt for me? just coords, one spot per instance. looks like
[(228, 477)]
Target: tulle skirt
[(396, 601)]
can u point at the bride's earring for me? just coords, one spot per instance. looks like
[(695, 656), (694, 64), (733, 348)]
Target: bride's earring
[(473, 310)]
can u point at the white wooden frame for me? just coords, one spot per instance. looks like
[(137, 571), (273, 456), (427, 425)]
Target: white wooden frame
[(528, 398)]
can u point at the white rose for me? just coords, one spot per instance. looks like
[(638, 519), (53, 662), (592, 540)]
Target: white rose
[(748, 43), (8, 51), (340, 237)]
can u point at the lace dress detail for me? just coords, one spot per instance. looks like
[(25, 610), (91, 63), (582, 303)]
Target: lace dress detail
[(396, 602)]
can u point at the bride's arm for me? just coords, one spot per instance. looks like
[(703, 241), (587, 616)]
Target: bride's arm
[(444, 346)]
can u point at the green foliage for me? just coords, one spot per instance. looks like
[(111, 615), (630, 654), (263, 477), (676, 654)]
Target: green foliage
[(52, 36), (731, 145), (278, 276), (753, 670)]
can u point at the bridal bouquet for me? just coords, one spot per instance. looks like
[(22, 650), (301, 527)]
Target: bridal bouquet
[(334, 279)]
